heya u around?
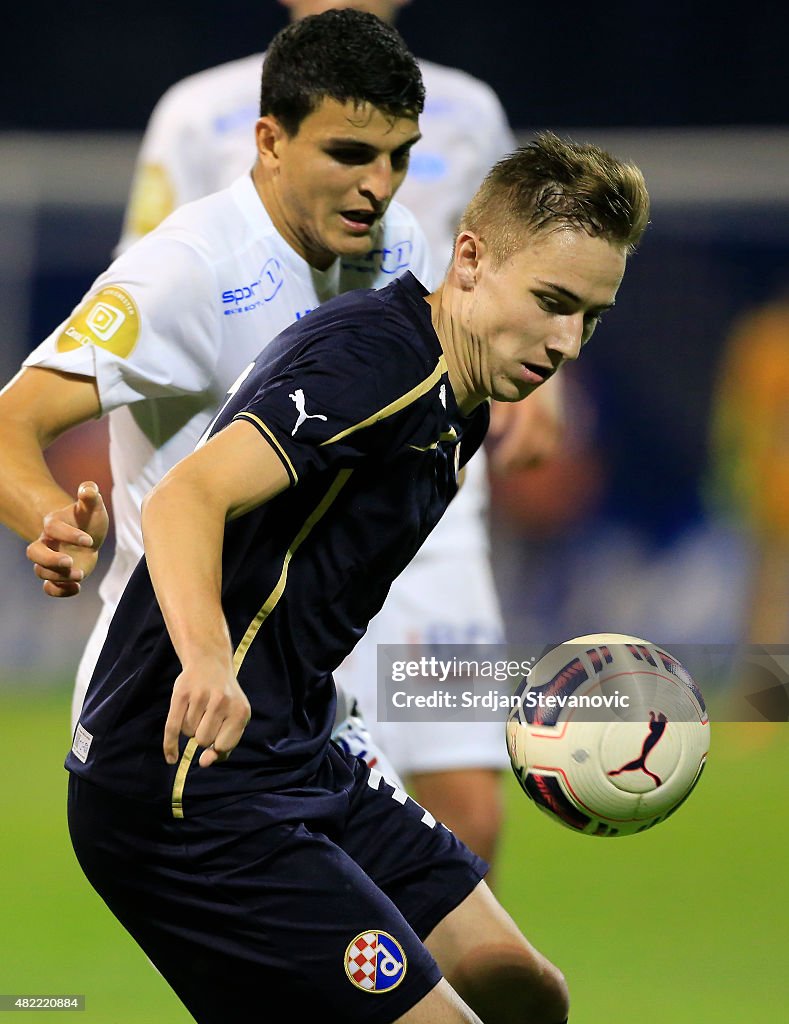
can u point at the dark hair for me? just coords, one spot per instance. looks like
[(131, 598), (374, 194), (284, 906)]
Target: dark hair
[(344, 55), (553, 183)]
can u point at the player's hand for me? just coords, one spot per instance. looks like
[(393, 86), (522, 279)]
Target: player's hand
[(524, 434), (209, 705), (68, 548)]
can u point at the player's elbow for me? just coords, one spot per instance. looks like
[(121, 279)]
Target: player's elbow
[(554, 996), (165, 495), (544, 995), (147, 510), (500, 977), (185, 494)]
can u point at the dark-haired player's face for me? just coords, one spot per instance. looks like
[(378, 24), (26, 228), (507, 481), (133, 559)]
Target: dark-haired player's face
[(539, 307), (334, 178)]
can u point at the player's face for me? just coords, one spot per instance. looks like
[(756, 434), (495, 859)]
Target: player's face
[(333, 180), (537, 310), (383, 9)]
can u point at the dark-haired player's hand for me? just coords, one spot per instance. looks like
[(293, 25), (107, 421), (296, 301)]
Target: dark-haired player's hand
[(68, 548), (209, 705)]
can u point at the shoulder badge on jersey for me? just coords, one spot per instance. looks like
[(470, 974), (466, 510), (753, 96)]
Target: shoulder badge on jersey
[(375, 962), (108, 320)]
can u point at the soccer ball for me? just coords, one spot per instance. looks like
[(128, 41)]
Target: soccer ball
[(608, 734)]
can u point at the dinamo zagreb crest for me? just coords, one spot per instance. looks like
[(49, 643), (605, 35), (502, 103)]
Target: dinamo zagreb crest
[(375, 962)]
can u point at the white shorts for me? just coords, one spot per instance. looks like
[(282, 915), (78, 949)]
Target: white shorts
[(439, 599)]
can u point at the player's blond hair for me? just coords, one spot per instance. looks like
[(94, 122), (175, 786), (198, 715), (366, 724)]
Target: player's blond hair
[(551, 184)]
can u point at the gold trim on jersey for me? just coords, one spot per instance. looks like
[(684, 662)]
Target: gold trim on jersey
[(268, 606), (397, 405), (177, 799), (256, 419), (271, 601), (446, 435), (323, 506)]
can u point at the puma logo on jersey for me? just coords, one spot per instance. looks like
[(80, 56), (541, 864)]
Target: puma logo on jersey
[(298, 398)]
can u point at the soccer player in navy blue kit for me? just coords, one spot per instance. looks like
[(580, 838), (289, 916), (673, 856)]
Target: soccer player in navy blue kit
[(290, 873)]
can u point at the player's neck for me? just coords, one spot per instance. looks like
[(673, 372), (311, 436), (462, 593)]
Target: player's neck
[(461, 351), (265, 186)]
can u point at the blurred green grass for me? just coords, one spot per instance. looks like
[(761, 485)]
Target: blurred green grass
[(685, 923)]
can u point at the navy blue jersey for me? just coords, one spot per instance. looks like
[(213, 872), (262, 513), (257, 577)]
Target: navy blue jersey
[(355, 400)]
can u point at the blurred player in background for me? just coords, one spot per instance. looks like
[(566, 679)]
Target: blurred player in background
[(255, 862), (750, 458), (749, 486), (166, 329), (197, 141)]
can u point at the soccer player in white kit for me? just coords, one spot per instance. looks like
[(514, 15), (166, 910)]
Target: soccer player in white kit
[(169, 326), (197, 140)]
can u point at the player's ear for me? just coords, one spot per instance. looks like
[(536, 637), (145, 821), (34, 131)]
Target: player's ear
[(469, 249), (269, 134)]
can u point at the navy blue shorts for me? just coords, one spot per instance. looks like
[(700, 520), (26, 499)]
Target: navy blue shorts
[(243, 916)]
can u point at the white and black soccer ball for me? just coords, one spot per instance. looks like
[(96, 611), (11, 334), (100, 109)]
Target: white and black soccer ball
[(609, 734)]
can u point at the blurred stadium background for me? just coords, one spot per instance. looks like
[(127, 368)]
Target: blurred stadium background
[(685, 923)]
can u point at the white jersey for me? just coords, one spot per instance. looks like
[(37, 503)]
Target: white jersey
[(200, 137), (169, 326)]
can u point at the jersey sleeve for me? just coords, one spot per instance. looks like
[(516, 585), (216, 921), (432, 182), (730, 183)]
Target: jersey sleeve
[(343, 400), (146, 329), (172, 163)]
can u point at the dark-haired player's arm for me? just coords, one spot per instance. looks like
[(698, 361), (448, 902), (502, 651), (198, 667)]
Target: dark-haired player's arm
[(36, 407), (183, 522)]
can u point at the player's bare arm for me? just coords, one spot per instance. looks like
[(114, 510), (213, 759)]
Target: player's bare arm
[(183, 521), (36, 407)]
